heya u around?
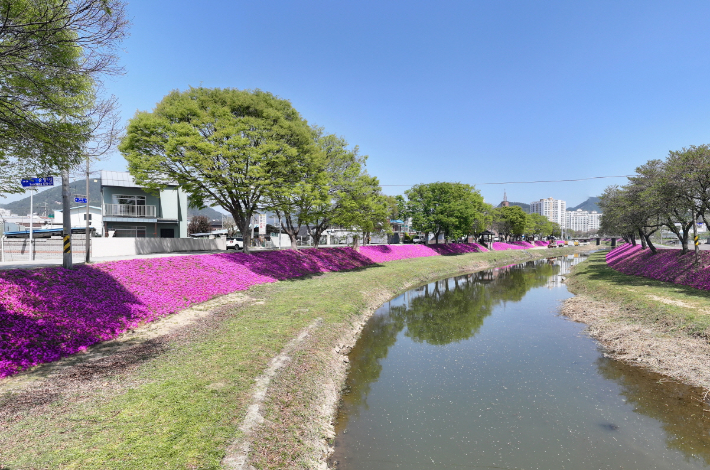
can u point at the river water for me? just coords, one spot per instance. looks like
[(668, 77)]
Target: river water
[(480, 371)]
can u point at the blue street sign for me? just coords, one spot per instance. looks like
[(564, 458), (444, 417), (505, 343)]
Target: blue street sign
[(80, 199), (31, 182)]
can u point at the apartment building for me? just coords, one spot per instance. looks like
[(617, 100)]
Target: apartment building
[(582, 221), (554, 209)]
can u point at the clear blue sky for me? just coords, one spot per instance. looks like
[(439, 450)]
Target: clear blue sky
[(469, 91)]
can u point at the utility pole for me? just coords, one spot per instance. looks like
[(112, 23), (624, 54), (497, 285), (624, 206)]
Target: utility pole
[(695, 237), (32, 207), (44, 206), (66, 221), (88, 215)]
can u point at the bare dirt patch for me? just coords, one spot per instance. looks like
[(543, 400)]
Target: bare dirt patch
[(667, 301), (677, 356)]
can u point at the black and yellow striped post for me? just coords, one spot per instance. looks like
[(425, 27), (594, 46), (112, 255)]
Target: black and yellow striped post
[(696, 241), (67, 256)]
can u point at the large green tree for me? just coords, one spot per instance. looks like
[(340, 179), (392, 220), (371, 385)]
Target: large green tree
[(238, 149), (308, 189), (538, 225), (662, 195), (510, 221), (336, 191), (448, 209), (365, 209), (53, 54)]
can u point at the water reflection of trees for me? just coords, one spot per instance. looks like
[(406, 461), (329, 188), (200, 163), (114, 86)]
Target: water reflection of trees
[(439, 313), (683, 419)]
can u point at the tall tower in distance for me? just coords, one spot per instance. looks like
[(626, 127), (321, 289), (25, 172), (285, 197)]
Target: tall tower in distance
[(505, 202)]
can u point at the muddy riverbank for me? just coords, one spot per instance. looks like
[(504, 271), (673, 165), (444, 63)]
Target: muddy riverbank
[(677, 356), (659, 326)]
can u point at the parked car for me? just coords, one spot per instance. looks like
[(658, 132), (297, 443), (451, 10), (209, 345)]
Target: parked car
[(418, 240), (235, 243)]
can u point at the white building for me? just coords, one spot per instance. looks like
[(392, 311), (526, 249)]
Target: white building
[(582, 221), (553, 209), (78, 218)]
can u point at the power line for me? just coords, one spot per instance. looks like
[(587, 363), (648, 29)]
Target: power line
[(530, 182)]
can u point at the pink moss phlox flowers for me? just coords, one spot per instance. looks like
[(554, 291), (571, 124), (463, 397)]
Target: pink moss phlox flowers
[(667, 265), (502, 246), (50, 313)]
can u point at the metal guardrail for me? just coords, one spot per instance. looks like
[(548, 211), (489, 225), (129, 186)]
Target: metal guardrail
[(129, 210)]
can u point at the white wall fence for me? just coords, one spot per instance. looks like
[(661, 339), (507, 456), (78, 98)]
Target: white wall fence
[(104, 247), (17, 249)]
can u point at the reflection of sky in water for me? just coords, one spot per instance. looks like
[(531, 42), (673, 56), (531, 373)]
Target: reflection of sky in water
[(479, 371)]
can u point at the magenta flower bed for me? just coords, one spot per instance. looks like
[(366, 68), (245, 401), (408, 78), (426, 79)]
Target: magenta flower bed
[(666, 265), (502, 246), (458, 248), (385, 253), (541, 243), (523, 243), (49, 313)]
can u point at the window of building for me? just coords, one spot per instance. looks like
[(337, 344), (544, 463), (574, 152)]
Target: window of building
[(129, 200), (129, 232)]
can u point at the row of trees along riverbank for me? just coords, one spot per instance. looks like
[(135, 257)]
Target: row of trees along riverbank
[(673, 194), (249, 151)]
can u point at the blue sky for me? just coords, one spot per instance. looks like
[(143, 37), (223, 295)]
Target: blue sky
[(468, 91)]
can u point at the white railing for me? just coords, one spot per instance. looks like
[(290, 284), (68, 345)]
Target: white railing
[(128, 210)]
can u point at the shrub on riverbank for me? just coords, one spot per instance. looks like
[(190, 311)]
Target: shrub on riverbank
[(49, 313)]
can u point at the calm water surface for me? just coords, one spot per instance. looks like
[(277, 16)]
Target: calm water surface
[(480, 371)]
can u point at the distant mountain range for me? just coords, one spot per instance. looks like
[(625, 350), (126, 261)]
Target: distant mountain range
[(45, 202), (591, 204)]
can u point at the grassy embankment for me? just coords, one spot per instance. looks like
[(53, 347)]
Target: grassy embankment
[(671, 307), (178, 401), (662, 326)]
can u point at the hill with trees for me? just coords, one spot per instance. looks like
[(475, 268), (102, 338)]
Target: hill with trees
[(52, 197), (591, 204), (522, 205)]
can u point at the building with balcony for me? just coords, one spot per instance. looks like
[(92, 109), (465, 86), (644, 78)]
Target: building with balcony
[(553, 209), (131, 211)]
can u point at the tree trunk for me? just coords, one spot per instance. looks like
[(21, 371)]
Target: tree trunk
[(291, 229), (650, 243), (643, 239), (246, 237)]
